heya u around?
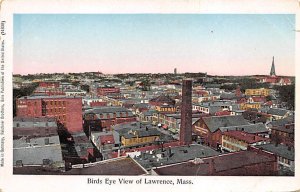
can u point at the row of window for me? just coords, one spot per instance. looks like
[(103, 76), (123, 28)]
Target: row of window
[(60, 103), (233, 140), (56, 110), (284, 160), (232, 147)]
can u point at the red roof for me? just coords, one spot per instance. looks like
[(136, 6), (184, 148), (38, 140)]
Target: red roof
[(221, 113), (107, 139), (259, 99), (247, 137)]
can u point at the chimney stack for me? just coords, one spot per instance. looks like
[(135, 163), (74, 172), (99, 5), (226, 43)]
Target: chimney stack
[(186, 113)]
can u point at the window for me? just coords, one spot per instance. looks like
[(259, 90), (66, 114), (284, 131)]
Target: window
[(46, 141), (19, 163), (46, 161)]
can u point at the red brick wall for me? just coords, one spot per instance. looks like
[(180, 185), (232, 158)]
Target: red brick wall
[(74, 115), (98, 103), (49, 84), (67, 111), (29, 107), (107, 90)]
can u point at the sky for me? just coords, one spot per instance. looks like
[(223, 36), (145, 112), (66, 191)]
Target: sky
[(219, 44)]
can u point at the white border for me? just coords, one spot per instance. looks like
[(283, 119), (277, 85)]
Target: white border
[(10, 182)]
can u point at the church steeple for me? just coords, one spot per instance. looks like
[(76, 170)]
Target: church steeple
[(272, 72)]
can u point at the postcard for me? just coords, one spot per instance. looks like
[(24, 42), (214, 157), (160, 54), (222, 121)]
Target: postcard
[(141, 95)]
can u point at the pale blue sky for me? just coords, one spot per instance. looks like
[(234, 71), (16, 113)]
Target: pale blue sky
[(220, 44)]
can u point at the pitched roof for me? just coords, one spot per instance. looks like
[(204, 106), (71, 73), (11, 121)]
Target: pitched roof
[(280, 150), (250, 128), (278, 111), (163, 99), (215, 122)]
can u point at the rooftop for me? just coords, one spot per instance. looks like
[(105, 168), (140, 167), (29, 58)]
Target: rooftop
[(250, 128), (225, 164), (49, 97), (117, 166), (280, 150), (171, 155), (215, 122), (248, 138)]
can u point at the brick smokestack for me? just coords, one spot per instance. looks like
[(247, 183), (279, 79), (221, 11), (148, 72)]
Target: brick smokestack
[(186, 113)]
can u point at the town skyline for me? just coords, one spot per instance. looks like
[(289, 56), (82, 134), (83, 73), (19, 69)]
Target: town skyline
[(216, 44)]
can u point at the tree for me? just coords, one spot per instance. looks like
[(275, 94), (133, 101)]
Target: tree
[(287, 94)]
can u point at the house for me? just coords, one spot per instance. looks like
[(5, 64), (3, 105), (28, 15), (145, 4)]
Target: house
[(279, 113), (240, 140), (207, 128), (105, 142), (253, 105), (285, 157), (99, 118), (139, 136), (284, 134), (257, 92)]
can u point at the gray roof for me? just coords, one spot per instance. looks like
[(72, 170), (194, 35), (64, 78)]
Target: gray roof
[(141, 133), (50, 97), (132, 125), (148, 113), (31, 122), (33, 152), (157, 158), (108, 112), (277, 111), (280, 150), (110, 109), (252, 128), (215, 122), (284, 121)]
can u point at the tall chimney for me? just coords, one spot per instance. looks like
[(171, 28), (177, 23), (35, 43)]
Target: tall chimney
[(186, 113)]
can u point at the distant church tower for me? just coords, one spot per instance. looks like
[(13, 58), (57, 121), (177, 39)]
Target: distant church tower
[(272, 72)]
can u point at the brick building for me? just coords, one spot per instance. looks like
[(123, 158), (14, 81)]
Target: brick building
[(240, 140), (66, 110), (97, 119), (207, 128), (104, 91), (253, 162), (162, 100), (49, 84)]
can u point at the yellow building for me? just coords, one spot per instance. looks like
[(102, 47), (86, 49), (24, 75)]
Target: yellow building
[(140, 136), (166, 109), (245, 106), (260, 92)]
